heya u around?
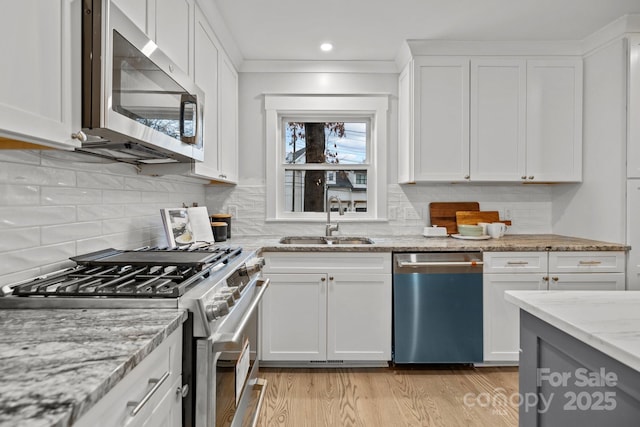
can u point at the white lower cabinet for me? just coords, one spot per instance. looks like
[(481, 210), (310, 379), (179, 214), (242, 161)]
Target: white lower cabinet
[(327, 307), (159, 378), (524, 271)]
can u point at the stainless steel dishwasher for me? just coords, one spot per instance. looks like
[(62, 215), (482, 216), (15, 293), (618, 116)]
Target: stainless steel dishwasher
[(437, 307)]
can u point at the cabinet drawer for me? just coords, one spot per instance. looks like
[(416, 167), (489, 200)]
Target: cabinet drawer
[(587, 262), (165, 362), (323, 262), (515, 262)]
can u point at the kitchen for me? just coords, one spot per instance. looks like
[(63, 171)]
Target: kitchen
[(57, 204)]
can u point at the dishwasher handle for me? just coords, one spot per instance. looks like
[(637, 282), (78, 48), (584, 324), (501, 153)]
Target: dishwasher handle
[(440, 263)]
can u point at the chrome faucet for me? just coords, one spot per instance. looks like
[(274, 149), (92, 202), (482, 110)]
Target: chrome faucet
[(331, 228)]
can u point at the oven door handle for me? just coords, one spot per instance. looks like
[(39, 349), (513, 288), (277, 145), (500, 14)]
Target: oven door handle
[(230, 340)]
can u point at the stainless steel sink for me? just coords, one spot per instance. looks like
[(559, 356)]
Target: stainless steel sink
[(321, 240)]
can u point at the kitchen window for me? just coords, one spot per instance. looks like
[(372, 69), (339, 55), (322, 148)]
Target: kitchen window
[(321, 146)]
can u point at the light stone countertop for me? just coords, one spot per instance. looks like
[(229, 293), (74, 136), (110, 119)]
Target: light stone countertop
[(56, 364), (608, 321), (510, 242)]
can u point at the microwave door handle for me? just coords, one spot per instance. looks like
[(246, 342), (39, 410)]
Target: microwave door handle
[(192, 100), (230, 340)]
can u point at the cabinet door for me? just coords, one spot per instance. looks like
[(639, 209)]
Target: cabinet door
[(206, 78), (40, 61), (633, 234), (228, 141), (137, 11), (633, 109), (501, 318), (441, 119), (359, 317), (498, 110), (173, 24), (554, 120), (294, 318), (587, 282)]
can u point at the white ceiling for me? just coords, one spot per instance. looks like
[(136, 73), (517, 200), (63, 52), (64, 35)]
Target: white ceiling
[(375, 29)]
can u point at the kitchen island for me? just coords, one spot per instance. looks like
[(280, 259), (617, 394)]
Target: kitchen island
[(580, 357), (56, 364)]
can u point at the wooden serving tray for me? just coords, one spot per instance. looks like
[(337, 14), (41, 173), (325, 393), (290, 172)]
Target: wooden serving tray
[(474, 217), (443, 214)]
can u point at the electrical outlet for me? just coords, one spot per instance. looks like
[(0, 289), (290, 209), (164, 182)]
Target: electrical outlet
[(233, 211)]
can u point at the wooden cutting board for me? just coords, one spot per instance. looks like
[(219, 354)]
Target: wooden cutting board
[(443, 214), (473, 217)]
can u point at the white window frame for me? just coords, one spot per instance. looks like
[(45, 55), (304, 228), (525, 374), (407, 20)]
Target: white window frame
[(327, 108)]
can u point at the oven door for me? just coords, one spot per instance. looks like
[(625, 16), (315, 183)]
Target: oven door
[(228, 390)]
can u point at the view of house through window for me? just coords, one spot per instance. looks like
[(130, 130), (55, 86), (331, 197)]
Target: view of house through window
[(323, 160)]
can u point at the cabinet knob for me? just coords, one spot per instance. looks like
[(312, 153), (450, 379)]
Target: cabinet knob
[(467, 177), (531, 177), (523, 177), (545, 279), (80, 136), (555, 279), (324, 279), (182, 391), (330, 277)]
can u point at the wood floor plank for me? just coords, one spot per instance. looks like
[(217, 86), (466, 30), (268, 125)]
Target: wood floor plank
[(439, 396)]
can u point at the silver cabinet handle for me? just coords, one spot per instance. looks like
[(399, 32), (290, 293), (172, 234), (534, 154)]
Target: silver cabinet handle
[(531, 177), (517, 262), (156, 385), (589, 262), (438, 263)]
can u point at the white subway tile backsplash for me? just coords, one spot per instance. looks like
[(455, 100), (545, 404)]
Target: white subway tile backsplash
[(120, 196), (70, 196), (19, 238), (16, 261), (89, 213), (11, 195), (70, 232), (15, 173), (31, 157), (99, 180), (19, 216), (408, 208), (56, 204)]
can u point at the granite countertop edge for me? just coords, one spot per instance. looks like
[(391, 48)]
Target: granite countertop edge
[(404, 243)]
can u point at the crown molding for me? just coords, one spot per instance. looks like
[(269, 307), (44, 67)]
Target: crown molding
[(615, 30), (375, 67)]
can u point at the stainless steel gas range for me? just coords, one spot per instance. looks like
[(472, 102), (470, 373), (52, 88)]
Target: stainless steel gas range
[(220, 287)]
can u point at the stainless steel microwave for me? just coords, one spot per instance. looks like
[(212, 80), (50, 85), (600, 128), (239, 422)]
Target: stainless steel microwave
[(137, 105)]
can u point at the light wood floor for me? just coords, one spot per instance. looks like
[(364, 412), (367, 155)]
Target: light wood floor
[(390, 397)]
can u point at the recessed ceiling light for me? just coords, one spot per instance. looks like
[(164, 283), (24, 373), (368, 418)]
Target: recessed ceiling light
[(326, 47)]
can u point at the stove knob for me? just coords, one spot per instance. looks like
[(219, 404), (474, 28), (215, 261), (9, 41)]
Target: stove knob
[(216, 310), (233, 291), (224, 296)]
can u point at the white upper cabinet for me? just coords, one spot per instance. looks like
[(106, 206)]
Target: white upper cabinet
[(441, 119), (498, 127), (206, 77), (554, 120), (173, 31), (480, 118), (228, 113), (40, 59), (138, 12), (633, 109)]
